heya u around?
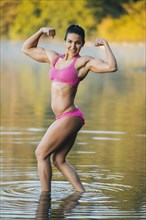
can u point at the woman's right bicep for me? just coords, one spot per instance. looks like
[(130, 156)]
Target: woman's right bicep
[(38, 54)]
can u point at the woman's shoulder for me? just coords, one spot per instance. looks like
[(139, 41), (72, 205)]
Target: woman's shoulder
[(83, 60)]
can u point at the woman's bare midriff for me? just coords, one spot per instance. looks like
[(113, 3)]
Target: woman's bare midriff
[(62, 98)]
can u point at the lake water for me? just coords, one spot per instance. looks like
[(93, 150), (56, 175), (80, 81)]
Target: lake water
[(109, 153)]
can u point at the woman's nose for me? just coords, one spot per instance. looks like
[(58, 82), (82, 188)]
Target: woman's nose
[(73, 46)]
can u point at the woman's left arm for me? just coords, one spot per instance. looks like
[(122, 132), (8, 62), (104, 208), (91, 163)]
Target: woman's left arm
[(103, 66)]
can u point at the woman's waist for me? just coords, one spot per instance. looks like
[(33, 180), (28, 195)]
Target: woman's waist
[(59, 110)]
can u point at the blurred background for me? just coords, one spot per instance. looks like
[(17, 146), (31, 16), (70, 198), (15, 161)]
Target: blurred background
[(109, 153), (121, 20)]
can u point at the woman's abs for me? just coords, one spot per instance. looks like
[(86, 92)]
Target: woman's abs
[(62, 100)]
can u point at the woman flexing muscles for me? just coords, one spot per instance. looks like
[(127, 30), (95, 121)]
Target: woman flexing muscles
[(66, 72)]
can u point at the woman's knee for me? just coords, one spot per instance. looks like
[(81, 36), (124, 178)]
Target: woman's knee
[(40, 155), (54, 161), (57, 160)]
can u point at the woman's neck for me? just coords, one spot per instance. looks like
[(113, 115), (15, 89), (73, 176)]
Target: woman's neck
[(69, 57)]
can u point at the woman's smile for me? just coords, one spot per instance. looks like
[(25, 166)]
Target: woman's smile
[(73, 43)]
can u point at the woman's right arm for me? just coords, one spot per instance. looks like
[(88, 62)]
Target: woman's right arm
[(37, 53)]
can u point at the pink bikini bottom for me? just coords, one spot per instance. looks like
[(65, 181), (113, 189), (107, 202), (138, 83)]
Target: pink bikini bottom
[(75, 112)]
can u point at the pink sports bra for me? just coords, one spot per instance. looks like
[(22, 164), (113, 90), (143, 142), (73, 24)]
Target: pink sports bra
[(65, 75)]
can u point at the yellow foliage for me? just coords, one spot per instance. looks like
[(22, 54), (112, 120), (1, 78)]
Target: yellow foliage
[(20, 19), (130, 27), (32, 15)]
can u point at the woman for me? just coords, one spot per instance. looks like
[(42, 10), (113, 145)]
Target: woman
[(66, 72)]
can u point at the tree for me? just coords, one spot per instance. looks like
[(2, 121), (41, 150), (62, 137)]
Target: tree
[(130, 27), (21, 18), (8, 12), (104, 8), (31, 15)]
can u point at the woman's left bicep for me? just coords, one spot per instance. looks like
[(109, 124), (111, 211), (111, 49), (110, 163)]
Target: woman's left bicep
[(98, 66)]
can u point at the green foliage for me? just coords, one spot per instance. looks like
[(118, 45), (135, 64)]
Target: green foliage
[(104, 8), (31, 15), (21, 18), (27, 19)]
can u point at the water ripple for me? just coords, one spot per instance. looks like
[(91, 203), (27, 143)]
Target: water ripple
[(94, 203)]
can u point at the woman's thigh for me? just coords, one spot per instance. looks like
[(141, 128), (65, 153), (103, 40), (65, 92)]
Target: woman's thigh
[(58, 135)]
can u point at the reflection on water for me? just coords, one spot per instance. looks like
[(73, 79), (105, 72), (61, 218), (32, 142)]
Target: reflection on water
[(66, 205), (101, 201), (109, 153)]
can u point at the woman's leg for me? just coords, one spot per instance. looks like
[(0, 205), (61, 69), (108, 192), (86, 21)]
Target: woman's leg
[(57, 136), (65, 168)]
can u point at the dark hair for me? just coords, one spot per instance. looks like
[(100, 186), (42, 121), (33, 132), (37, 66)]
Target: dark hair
[(77, 30)]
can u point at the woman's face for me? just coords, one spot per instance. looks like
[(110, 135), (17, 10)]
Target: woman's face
[(73, 44)]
